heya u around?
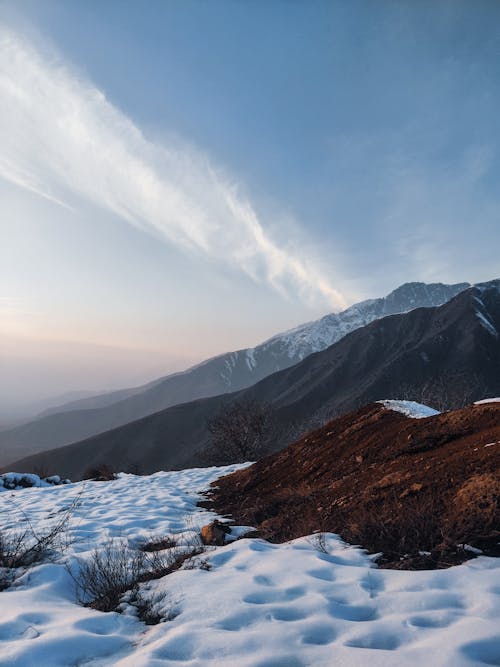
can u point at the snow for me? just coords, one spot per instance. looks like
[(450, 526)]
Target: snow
[(410, 408), (250, 359), (15, 480), (319, 334), (488, 400), (289, 347), (261, 604), (487, 324)]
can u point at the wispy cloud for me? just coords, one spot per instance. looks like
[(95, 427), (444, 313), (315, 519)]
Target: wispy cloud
[(62, 139)]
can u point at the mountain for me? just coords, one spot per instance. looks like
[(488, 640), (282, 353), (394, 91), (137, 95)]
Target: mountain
[(223, 374), (449, 353)]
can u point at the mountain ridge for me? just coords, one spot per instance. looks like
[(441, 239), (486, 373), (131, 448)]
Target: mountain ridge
[(449, 342), (224, 373)]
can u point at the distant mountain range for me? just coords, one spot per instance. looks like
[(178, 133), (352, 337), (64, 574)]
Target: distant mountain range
[(452, 350), (226, 373)]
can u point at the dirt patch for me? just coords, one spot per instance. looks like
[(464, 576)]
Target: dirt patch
[(383, 480)]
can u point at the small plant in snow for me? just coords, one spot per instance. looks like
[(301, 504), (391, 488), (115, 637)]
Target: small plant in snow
[(23, 548), (318, 542), (153, 608), (103, 580)]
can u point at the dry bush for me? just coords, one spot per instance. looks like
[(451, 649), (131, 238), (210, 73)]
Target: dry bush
[(154, 608), (397, 527), (449, 390), (116, 569), (318, 542), (21, 549), (102, 472), (103, 579), (239, 432), (158, 543), (475, 511)]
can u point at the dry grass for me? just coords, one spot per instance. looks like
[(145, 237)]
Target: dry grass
[(24, 546), (111, 572)]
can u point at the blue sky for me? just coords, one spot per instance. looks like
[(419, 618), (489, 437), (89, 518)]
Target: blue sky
[(183, 178)]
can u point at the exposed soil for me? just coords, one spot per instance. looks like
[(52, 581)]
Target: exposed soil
[(393, 484)]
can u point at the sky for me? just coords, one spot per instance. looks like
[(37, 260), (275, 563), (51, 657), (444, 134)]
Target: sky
[(181, 178)]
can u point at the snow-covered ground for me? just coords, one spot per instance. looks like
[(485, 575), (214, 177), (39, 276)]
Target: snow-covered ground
[(12, 481), (260, 605)]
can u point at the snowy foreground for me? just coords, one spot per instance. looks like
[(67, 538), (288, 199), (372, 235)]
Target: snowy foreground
[(260, 604)]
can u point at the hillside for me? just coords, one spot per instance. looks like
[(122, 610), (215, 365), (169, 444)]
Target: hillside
[(451, 351), (383, 479), (226, 373)]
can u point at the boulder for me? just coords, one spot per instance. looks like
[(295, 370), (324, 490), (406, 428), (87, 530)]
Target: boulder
[(214, 533)]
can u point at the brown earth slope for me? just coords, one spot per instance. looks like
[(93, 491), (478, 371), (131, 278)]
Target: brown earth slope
[(383, 480)]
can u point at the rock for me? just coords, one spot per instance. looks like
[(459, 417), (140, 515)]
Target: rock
[(391, 479), (414, 488), (214, 533)]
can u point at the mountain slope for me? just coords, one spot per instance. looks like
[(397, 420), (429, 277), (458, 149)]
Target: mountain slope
[(454, 347), (223, 374), (445, 464)]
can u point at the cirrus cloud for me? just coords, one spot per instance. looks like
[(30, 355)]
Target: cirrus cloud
[(62, 139)]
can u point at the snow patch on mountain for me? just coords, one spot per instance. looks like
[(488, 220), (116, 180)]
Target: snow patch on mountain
[(409, 408), (487, 324), (320, 334)]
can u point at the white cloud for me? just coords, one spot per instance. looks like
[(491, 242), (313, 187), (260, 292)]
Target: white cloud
[(61, 138)]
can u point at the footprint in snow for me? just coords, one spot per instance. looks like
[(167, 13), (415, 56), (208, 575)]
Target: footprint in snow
[(179, 649), (284, 661), (484, 651), (237, 621), (372, 583), (433, 620), (222, 558), (104, 625), (383, 641), (286, 614), (346, 612), (268, 596), (319, 634), (322, 573)]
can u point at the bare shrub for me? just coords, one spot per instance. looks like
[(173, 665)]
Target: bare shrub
[(195, 563), (239, 433), (102, 472), (414, 526), (154, 608), (158, 543), (26, 547), (6, 578), (318, 542), (449, 390), (475, 513), (134, 468), (103, 579)]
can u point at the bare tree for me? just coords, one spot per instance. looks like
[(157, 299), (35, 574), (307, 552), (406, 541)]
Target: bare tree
[(239, 432), (448, 390)]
